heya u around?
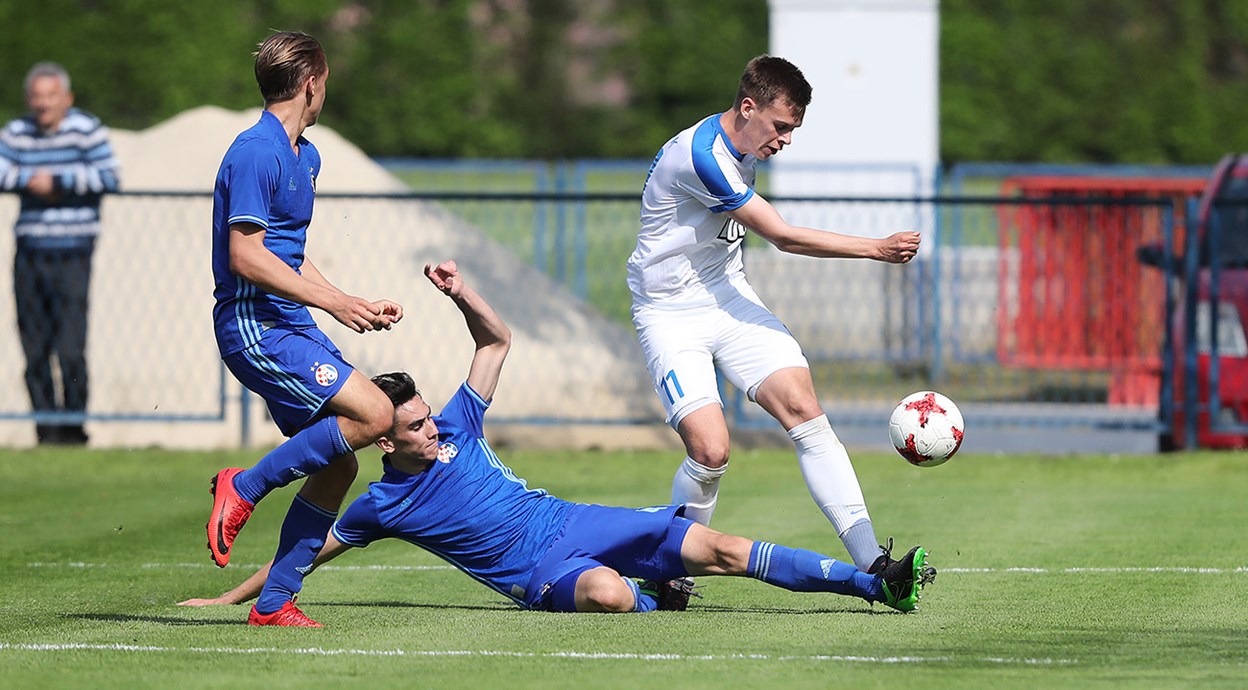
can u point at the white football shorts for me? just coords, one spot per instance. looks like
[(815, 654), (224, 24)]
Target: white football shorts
[(683, 347)]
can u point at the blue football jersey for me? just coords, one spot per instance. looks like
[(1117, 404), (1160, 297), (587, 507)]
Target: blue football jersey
[(262, 181), (467, 507)]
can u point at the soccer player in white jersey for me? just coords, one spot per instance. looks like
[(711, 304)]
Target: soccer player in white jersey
[(695, 311)]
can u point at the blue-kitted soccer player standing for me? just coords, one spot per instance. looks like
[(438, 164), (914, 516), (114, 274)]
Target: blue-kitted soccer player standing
[(264, 285)]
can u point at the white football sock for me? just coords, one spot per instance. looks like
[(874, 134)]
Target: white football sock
[(696, 486), (833, 484)]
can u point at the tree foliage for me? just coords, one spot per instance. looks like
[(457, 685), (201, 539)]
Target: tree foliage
[(1144, 81), (1125, 81), (438, 78)]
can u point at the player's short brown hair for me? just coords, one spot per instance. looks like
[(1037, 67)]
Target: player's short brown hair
[(398, 387), (768, 79), (284, 61)]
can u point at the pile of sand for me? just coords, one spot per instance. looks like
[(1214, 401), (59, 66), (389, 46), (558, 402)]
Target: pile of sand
[(151, 349), (183, 153)]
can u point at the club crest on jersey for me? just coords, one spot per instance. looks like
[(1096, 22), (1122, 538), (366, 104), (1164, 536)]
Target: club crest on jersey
[(312, 179), (326, 374), (446, 451), (732, 231)]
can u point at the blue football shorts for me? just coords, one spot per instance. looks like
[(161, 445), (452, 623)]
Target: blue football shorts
[(296, 371), (635, 542)]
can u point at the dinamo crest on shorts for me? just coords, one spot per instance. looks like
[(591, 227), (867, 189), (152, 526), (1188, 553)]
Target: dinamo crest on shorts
[(326, 374)]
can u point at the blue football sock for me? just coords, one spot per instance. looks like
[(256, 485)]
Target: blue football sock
[(303, 535), (645, 602), (799, 570), (298, 456)]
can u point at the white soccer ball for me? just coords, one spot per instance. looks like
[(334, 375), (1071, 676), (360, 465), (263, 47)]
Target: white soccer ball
[(926, 428)]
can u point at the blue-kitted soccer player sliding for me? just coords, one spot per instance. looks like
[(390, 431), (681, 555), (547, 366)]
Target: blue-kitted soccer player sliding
[(445, 490)]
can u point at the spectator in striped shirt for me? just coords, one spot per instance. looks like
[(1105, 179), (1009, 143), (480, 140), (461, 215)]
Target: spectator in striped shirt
[(58, 160)]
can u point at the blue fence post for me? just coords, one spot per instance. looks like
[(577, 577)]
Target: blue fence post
[(580, 245), (937, 367), (956, 219), (561, 224), (541, 185), (1165, 406), (1191, 282), (1213, 241)]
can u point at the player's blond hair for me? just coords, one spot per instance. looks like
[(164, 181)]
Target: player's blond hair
[(768, 79), (284, 61)]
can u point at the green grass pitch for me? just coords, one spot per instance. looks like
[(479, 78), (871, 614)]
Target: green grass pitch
[(1088, 571)]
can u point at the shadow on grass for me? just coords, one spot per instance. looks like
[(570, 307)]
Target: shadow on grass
[(711, 608), (770, 610), (159, 620), (693, 608), (416, 605)]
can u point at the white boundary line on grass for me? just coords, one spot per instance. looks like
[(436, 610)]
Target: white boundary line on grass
[(245, 566), (1080, 571), (971, 571), (591, 656)]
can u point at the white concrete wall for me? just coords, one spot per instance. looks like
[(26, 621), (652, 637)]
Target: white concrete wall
[(873, 65), (872, 128)]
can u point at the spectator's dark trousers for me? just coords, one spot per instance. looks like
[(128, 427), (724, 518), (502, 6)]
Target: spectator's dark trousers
[(51, 288)]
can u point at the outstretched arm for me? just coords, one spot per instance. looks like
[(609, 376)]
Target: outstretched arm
[(491, 335), (250, 588), (251, 260), (761, 217), (390, 312)]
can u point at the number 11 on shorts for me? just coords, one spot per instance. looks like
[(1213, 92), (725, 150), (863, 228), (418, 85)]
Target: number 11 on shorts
[(670, 384)]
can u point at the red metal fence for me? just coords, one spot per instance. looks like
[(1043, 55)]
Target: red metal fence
[(1072, 293)]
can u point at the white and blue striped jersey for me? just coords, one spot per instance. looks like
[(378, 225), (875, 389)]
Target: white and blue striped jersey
[(689, 249), (262, 181), (80, 160), (467, 507)]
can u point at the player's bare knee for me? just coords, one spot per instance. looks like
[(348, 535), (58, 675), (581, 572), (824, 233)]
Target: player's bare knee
[(798, 409), (379, 420), (379, 426), (711, 460), (705, 436), (604, 591), (616, 599), (711, 453)]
